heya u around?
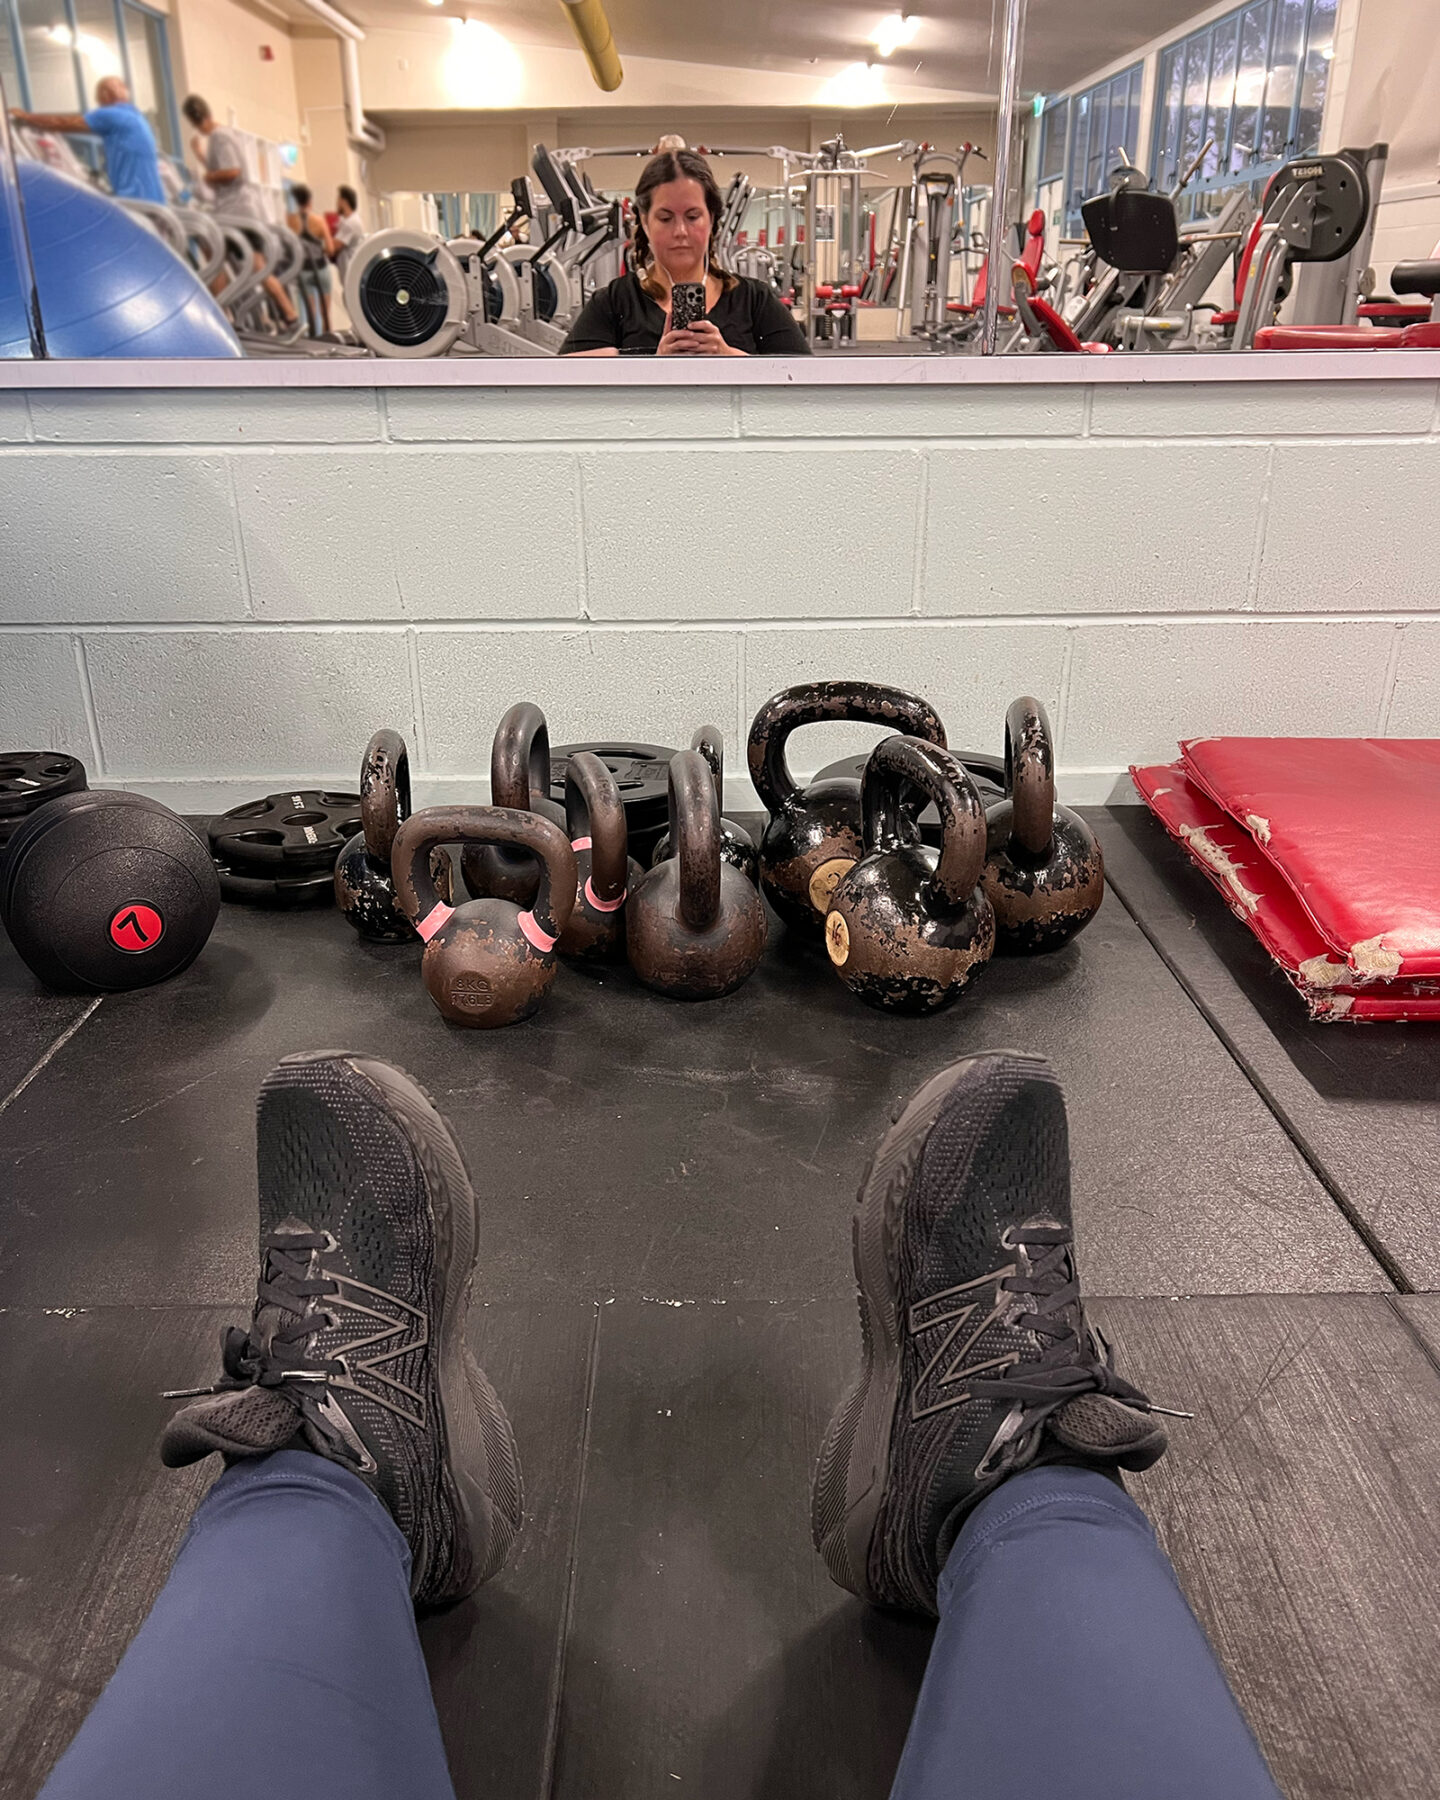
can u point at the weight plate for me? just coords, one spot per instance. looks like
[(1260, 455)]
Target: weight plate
[(642, 774), (304, 829), (28, 778), (250, 885)]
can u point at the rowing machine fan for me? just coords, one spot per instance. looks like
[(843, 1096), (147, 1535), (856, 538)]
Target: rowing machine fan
[(406, 294)]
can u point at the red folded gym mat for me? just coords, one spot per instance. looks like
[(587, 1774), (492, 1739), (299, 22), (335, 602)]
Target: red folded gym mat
[(1247, 866)]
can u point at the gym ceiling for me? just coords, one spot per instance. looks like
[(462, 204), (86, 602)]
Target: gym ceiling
[(951, 45)]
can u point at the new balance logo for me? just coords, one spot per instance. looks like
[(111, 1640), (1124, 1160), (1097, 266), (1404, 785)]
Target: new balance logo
[(399, 1329), (959, 1318)]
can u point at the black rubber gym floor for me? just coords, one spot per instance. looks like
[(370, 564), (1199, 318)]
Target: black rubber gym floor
[(665, 1306)]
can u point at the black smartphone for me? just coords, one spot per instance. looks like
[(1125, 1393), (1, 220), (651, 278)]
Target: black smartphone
[(687, 304)]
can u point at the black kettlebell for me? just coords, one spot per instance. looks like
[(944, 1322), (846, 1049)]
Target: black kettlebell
[(488, 962), (814, 833), (1044, 872), (604, 870), (364, 888), (908, 926), (695, 927), (107, 891), (736, 844), (520, 780)]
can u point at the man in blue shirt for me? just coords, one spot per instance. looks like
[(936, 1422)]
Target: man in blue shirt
[(131, 160)]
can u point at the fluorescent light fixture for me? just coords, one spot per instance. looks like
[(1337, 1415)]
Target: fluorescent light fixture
[(481, 68), (858, 84), (894, 30), (436, 2)]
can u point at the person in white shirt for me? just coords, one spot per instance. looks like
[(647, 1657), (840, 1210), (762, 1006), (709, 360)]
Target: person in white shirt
[(349, 232)]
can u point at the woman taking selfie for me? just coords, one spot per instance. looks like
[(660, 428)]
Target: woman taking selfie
[(677, 208)]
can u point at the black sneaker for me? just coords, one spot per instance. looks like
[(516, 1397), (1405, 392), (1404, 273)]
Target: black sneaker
[(356, 1349), (978, 1360)]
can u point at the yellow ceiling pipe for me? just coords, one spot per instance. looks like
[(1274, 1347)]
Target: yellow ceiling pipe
[(587, 18)]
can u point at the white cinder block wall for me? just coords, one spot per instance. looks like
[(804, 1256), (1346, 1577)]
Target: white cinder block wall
[(209, 594)]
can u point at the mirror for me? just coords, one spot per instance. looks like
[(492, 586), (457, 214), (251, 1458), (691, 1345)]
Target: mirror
[(406, 179)]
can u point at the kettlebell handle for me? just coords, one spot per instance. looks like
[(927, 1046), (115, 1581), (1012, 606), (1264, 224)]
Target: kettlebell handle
[(520, 758), (1030, 775), (695, 835), (709, 740), (864, 702), (384, 792), (595, 820), (415, 887), (898, 763)]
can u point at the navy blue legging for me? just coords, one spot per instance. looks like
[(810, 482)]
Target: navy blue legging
[(283, 1650)]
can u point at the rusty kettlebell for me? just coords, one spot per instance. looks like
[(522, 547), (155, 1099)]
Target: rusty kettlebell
[(908, 926), (604, 871), (487, 962), (1044, 872), (814, 833), (519, 779), (695, 927), (364, 889), (736, 844)]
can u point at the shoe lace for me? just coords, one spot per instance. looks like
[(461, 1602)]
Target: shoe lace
[(282, 1354), (1074, 1359), (287, 1285)]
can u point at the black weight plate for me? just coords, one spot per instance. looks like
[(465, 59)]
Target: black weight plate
[(304, 829), (252, 885), (642, 774), (28, 778)]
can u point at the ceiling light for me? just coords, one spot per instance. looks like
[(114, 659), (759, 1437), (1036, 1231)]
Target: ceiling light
[(894, 30), (482, 68), (858, 84), (436, 2)]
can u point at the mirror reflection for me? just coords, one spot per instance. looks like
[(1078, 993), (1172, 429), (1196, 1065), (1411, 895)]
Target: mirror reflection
[(549, 178)]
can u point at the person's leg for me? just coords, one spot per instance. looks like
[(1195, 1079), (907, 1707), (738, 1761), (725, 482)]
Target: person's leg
[(1068, 1662), (371, 1466), (283, 1646), (973, 1472)]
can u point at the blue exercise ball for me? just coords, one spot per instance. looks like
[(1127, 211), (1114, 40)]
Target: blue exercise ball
[(108, 286)]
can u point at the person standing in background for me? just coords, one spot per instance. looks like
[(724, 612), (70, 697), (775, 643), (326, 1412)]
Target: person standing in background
[(236, 196), (132, 159), (350, 233), (310, 227)]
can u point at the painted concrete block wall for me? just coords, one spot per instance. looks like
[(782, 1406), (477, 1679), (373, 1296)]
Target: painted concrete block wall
[(207, 594)]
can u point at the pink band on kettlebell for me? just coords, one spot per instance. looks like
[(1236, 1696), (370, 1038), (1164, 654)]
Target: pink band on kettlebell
[(581, 843), (605, 906), (536, 936), (434, 919)]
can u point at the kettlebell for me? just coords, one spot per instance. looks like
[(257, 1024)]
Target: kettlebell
[(520, 780), (695, 927), (908, 926), (1044, 872), (364, 889), (736, 844), (604, 871), (814, 833), (487, 962), (107, 891)]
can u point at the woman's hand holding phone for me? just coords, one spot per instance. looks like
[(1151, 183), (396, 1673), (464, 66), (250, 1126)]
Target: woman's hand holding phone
[(700, 339)]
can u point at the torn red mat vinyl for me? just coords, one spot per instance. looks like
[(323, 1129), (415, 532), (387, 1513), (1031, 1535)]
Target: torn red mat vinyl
[(1351, 824), (1258, 894)]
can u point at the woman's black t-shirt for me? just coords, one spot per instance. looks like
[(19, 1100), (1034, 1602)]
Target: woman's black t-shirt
[(623, 317)]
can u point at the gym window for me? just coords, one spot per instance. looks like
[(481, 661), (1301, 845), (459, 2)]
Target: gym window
[(52, 52), (1252, 85), (1081, 138)]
